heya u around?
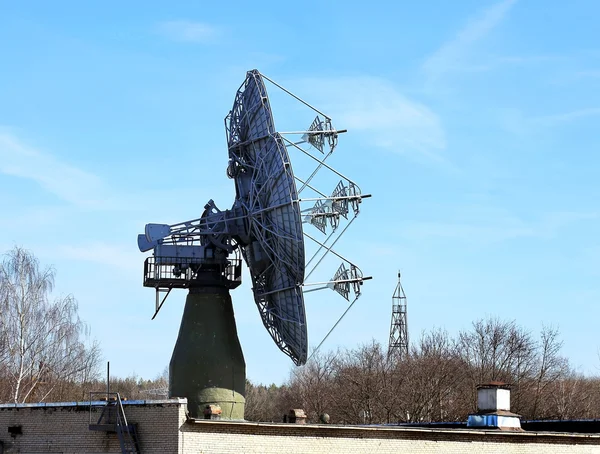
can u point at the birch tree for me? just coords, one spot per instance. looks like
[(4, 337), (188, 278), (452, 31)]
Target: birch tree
[(42, 342)]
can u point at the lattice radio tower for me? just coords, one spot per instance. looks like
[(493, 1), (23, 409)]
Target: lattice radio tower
[(398, 345)]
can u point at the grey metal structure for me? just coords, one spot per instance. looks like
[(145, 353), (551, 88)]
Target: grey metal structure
[(398, 345), (272, 242), (265, 223)]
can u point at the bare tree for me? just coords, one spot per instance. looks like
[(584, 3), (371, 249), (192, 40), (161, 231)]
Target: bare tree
[(43, 342), (437, 380), (311, 386), (551, 368), (498, 350), (435, 387), (570, 397), (362, 384), (266, 403)]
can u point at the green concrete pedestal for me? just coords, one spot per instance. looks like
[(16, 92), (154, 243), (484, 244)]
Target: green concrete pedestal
[(207, 366)]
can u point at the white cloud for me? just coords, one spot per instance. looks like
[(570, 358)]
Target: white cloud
[(491, 62), (122, 257), (82, 189), (551, 120), (489, 226), (59, 178), (590, 73), (517, 122), (374, 106), (188, 31), (453, 55), (34, 217)]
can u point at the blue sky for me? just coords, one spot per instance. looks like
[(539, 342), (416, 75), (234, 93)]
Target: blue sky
[(472, 123)]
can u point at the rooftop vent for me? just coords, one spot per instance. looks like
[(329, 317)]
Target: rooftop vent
[(295, 416), (493, 408), (212, 412)]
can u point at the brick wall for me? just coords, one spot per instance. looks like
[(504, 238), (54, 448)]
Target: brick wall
[(63, 428), (229, 437)]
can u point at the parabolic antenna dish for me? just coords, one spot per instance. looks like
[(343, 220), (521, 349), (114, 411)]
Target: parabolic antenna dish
[(265, 227), (266, 192), (264, 224)]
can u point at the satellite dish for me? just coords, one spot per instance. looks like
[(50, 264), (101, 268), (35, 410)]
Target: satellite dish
[(273, 243), (264, 225)]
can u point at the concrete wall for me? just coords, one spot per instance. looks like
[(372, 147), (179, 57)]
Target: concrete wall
[(164, 429)]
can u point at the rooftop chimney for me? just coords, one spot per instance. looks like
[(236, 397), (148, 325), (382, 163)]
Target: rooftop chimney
[(212, 412), (295, 416), (493, 408)]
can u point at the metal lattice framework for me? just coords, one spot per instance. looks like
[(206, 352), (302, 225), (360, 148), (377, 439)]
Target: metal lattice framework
[(266, 191), (265, 221), (398, 344)]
